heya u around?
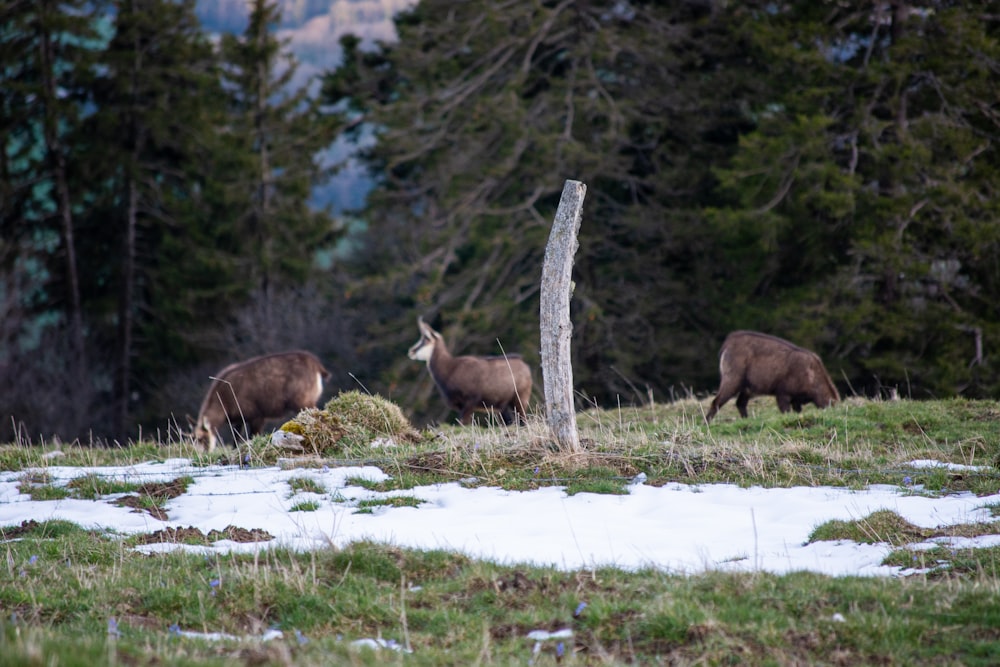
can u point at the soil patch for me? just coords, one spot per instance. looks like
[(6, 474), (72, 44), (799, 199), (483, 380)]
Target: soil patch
[(25, 528), (192, 535), (236, 534), (139, 506), (165, 490), (151, 495)]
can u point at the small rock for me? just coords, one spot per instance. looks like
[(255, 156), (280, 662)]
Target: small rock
[(287, 440)]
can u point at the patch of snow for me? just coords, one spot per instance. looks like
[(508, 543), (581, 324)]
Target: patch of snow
[(930, 463), (675, 528)]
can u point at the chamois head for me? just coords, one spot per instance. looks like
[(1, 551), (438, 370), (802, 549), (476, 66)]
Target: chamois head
[(424, 348)]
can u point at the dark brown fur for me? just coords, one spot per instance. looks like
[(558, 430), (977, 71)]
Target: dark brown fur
[(257, 390), (755, 364), (470, 384)]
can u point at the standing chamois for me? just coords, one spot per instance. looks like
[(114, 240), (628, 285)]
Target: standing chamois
[(755, 364), (254, 391), (469, 384)]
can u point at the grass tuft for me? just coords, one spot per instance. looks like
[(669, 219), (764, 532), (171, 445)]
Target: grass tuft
[(306, 485), (305, 506), (369, 506), (349, 422), (884, 526)]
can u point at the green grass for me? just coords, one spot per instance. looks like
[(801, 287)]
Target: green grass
[(92, 487), (947, 564), (45, 492), (305, 485), (60, 584), (19, 456), (854, 444), (888, 527), (369, 506), (305, 506), (452, 610)]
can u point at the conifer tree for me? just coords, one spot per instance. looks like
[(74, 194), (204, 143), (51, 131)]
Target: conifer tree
[(863, 206), (149, 140), (276, 131), (47, 52)]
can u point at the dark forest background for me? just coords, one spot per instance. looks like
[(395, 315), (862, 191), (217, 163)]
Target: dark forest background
[(826, 171)]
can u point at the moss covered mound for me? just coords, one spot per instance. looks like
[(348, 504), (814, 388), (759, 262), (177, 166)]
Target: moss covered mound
[(351, 419)]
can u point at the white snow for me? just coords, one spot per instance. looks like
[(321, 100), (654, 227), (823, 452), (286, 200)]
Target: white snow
[(675, 528)]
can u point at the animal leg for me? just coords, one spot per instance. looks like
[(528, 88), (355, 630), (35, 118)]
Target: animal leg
[(728, 387), (520, 415), (726, 391), (784, 402), (741, 402)]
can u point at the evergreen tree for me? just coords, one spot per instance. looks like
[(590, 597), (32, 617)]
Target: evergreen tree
[(863, 210), (190, 188), (275, 133), (149, 141), (253, 275), (47, 53)]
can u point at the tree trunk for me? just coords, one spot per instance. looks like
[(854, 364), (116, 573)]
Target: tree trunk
[(126, 305), (263, 137), (556, 329), (57, 159), (125, 309)]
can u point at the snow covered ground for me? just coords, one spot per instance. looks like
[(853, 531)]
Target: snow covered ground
[(676, 528)]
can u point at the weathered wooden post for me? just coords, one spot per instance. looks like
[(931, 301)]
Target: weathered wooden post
[(556, 329)]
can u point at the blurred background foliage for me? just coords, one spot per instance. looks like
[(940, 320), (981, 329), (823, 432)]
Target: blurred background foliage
[(823, 171)]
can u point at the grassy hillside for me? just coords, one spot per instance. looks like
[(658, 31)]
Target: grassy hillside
[(71, 596)]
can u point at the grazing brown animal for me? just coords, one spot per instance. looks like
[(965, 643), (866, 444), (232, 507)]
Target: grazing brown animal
[(755, 364), (470, 384), (254, 391)]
